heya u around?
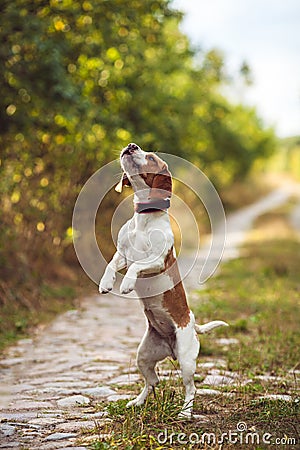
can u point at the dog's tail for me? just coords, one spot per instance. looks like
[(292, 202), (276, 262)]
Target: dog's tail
[(208, 327)]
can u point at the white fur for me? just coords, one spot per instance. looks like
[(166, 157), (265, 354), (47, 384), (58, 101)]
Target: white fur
[(208, 327)]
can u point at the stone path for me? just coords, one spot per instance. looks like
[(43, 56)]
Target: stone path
[(50, 383)]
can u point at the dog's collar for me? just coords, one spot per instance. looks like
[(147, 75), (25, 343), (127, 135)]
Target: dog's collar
[(152, 206)]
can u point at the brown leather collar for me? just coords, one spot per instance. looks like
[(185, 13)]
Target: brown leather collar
[(152, 206)]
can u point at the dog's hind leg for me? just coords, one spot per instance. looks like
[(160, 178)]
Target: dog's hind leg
[(187, 349), (152, 349)]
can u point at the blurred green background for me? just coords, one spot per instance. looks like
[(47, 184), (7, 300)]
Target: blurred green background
[(79, 81)]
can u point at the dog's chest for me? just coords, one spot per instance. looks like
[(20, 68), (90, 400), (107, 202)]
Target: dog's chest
[(143, 237), (137, 246)]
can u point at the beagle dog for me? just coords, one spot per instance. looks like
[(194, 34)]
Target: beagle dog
[(146, 249)]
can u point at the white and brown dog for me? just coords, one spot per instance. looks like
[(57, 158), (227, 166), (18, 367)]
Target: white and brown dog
[(146, 248)]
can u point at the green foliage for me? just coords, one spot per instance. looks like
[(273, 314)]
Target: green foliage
[(258, 294), (287, 157), (22, 309), (81, 79)]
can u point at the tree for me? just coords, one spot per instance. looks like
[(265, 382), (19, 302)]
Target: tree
[(81, 79)]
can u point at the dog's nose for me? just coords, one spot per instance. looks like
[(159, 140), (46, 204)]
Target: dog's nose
[(131, 148)]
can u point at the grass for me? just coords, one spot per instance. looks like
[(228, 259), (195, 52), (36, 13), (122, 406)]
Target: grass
[(21, 312), (258, 294), (156, 425)]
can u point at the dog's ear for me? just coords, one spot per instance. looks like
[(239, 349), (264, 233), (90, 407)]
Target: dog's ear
[(123, 182), (162, 185)]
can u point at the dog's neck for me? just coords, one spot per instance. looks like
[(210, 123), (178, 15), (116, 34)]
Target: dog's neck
[(143, 221), (146, 210), (145, 204), (152, 206), (141, 195)]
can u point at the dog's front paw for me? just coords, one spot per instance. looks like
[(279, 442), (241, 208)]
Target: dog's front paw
[(106, 285), (127, 285)]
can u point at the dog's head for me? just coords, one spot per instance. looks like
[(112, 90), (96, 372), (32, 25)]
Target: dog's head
[(146, 172)]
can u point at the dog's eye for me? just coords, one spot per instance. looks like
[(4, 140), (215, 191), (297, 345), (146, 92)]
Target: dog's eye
[(151, 158)]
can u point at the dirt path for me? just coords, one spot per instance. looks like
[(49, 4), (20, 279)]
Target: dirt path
[(50, 383), (237, 226)]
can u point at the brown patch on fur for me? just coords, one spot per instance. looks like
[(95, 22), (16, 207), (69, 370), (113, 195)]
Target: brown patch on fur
[(148, 178), (157, 176), (161, 185), (174, 300)]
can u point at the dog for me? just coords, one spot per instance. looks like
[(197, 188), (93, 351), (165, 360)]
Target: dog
[(145, 248)]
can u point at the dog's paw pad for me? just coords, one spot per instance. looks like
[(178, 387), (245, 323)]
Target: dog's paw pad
[(104, 290), (127, 286), (106, 286)]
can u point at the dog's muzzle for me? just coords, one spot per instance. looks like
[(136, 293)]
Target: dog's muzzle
[(129, 150)]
